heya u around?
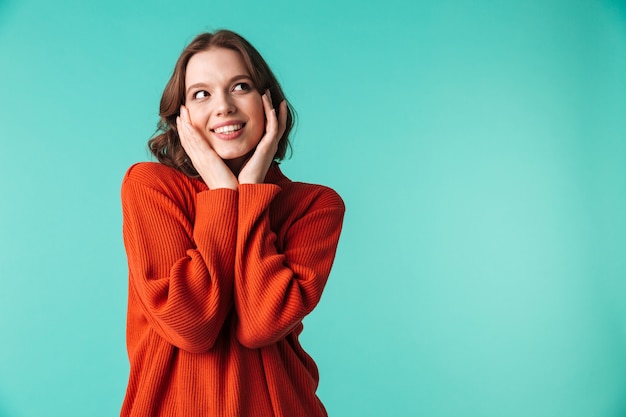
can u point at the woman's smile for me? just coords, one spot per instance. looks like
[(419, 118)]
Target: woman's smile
[(228, 130)]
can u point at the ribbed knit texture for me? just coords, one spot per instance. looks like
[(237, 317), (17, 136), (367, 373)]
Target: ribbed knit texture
[(219, 282)]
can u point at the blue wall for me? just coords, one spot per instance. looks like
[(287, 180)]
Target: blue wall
[(480, 147)]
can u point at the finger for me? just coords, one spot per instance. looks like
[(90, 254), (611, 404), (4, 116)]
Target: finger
[(179, 128), (184, 114), (269, 96), (270, 116), (267, 102), (191, 136), (282, 118), (183, 135), (186, 133)]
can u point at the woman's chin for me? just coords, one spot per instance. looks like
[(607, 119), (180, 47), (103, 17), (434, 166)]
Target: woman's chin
[(235, 161), (231, 155)]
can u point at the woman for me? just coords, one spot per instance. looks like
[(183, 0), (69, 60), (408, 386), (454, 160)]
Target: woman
[(226, 255)]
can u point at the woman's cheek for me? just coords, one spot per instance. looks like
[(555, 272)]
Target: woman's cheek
[(197, 118)]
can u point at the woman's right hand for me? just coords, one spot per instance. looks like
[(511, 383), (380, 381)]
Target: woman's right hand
[(205, 160)]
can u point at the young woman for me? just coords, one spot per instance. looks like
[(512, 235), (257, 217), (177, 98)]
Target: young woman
[(226, 255)]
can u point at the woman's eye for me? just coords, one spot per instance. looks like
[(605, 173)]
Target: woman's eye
[(200, 94), (242, 87)]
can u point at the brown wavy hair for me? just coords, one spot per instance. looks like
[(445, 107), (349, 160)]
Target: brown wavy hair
[(165, 145)]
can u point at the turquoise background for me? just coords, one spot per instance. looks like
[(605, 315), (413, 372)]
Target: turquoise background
[(480, 147)]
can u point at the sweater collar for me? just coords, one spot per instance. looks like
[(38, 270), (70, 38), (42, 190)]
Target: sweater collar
[(275, 175)]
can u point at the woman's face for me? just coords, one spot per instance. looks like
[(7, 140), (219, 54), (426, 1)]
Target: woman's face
[(223, 104)]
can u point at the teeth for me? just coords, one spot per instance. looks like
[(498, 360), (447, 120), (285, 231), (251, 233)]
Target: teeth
[(228, 129)]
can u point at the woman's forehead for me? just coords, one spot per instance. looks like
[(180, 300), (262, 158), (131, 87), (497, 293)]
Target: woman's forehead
[(215, 65)]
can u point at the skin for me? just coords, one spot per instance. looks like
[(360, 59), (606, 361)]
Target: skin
[(219, 90)]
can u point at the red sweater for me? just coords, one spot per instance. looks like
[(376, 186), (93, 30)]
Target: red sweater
[(219, 282)]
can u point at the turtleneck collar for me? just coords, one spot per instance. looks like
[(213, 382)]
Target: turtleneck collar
[(275, 175)]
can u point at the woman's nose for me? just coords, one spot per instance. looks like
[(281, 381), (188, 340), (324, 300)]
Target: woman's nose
[(224, 104)]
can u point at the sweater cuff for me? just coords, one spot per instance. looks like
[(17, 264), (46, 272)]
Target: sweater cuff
[(257, 195), (216, 212)]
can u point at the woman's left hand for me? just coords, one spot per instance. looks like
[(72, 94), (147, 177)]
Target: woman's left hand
[(256, 167)]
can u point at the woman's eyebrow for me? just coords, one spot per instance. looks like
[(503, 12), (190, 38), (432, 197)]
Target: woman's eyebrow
[(232, 80), (192, 86)]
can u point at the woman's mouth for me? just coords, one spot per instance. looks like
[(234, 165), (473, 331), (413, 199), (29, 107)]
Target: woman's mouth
[(229, 128), (230, 131)]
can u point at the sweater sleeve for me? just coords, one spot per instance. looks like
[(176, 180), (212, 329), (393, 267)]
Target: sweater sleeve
[(275, 291), (181, 270)]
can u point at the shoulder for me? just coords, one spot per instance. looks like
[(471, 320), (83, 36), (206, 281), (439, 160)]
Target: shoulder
[(313, 196), (150, 173), (155, 175), (160, 178), (303, 195), (325, 197)]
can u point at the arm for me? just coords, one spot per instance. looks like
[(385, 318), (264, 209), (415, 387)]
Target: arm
[(275, 291), (181, 271)]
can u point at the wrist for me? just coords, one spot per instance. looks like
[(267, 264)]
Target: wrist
[(250, 180)]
